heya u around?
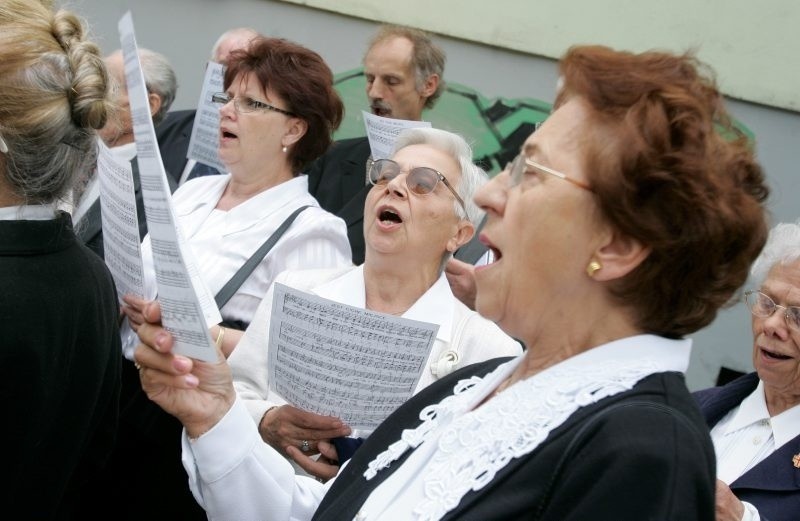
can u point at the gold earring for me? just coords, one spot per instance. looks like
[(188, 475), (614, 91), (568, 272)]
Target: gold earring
[(592, 268)]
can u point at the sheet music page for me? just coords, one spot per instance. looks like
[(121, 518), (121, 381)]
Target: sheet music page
[(204, 142), (382, 132), (339, 360), (186, 303), (121, 247)]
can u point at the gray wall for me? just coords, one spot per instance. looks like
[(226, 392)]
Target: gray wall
[(185, 30)]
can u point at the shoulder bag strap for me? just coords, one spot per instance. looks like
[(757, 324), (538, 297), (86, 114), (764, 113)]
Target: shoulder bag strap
[(230, 288)]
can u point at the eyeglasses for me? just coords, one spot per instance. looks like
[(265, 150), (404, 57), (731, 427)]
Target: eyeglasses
[(421, 180), (246, 105), (518, 167), (762, 306)]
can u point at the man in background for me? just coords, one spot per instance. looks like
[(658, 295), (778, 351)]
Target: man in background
[(403, 69), (117, 134)]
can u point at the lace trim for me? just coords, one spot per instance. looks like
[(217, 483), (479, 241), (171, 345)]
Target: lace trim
[(474, 445)]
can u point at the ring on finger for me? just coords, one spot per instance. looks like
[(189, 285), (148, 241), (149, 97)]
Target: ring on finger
[(304, 446)]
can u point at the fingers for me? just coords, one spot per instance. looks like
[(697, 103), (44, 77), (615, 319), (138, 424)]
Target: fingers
[(290, 426), (152, 312), (155, 337), (456, 267), (320, 468), (328, 451)]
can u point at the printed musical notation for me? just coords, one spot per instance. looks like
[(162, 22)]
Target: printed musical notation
[(331, 358), (120, 225), (382, 132), (186, 305), (204, 141)]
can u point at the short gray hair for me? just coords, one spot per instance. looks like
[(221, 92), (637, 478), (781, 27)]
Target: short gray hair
[(159, 78), (472, 176), (782, 247), (239, 33)]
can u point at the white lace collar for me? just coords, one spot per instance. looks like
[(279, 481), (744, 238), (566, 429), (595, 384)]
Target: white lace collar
[(466, 447)]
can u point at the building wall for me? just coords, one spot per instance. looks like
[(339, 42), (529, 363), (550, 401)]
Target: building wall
[(185, 30)]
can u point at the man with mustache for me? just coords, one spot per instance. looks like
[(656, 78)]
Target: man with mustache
[(403, 69)]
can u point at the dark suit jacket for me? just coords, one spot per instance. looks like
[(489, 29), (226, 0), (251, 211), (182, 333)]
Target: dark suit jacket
[(59, 367), (338, 180), (173, 135), (90, 229), (772, 486), (635, 463)]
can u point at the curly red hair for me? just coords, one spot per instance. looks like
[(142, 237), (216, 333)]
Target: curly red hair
[(664, 174)]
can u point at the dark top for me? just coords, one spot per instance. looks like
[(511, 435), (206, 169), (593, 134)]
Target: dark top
[(60, 366), (173, 135), (338, 181), (637, 462), (772, 486)]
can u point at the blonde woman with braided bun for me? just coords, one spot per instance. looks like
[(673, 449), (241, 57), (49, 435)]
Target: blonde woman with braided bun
[(59, 351)]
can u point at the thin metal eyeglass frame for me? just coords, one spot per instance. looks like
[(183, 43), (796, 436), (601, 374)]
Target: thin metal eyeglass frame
[(439, 176), (752, 304), (517, 169), (223, 99)]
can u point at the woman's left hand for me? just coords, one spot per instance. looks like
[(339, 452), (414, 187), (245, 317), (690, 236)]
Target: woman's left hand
[(198, 393), (323, 468)]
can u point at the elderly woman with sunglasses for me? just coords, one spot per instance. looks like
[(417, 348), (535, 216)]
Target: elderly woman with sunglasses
[(625, 225), (418, 213), (755, 420)]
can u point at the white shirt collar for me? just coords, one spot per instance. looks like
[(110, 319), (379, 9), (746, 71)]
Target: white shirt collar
[(32, 212), (124, 152), (753, 409), (435, 306)]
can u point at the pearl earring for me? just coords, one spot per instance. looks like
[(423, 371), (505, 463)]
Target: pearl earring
[(284, 149)]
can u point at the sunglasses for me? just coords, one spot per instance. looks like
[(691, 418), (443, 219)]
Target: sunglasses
[(421, 180)]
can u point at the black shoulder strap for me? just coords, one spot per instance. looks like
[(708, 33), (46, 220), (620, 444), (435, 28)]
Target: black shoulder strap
[(230, 288)]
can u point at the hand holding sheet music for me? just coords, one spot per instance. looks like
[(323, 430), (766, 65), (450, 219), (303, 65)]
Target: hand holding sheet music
[(344, 361)]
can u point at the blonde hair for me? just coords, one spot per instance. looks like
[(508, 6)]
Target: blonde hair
[(54, 90)]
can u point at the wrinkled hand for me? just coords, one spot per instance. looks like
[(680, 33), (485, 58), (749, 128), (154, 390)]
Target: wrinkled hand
[(134, 309), (197, 393), (728, 506), (323, 468), (286, 427), (461, 277)]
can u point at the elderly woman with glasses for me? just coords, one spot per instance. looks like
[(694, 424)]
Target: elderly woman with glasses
[(277, 114), (626, 224), (755, 420), (414, 219)]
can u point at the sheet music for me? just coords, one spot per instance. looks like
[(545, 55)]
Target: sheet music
[(204, 143), (382, 132), (339, 360), (121, 247), (186, 304)]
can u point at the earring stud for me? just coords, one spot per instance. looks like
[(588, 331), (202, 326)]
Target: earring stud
[(284, 149), (592, 268)]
